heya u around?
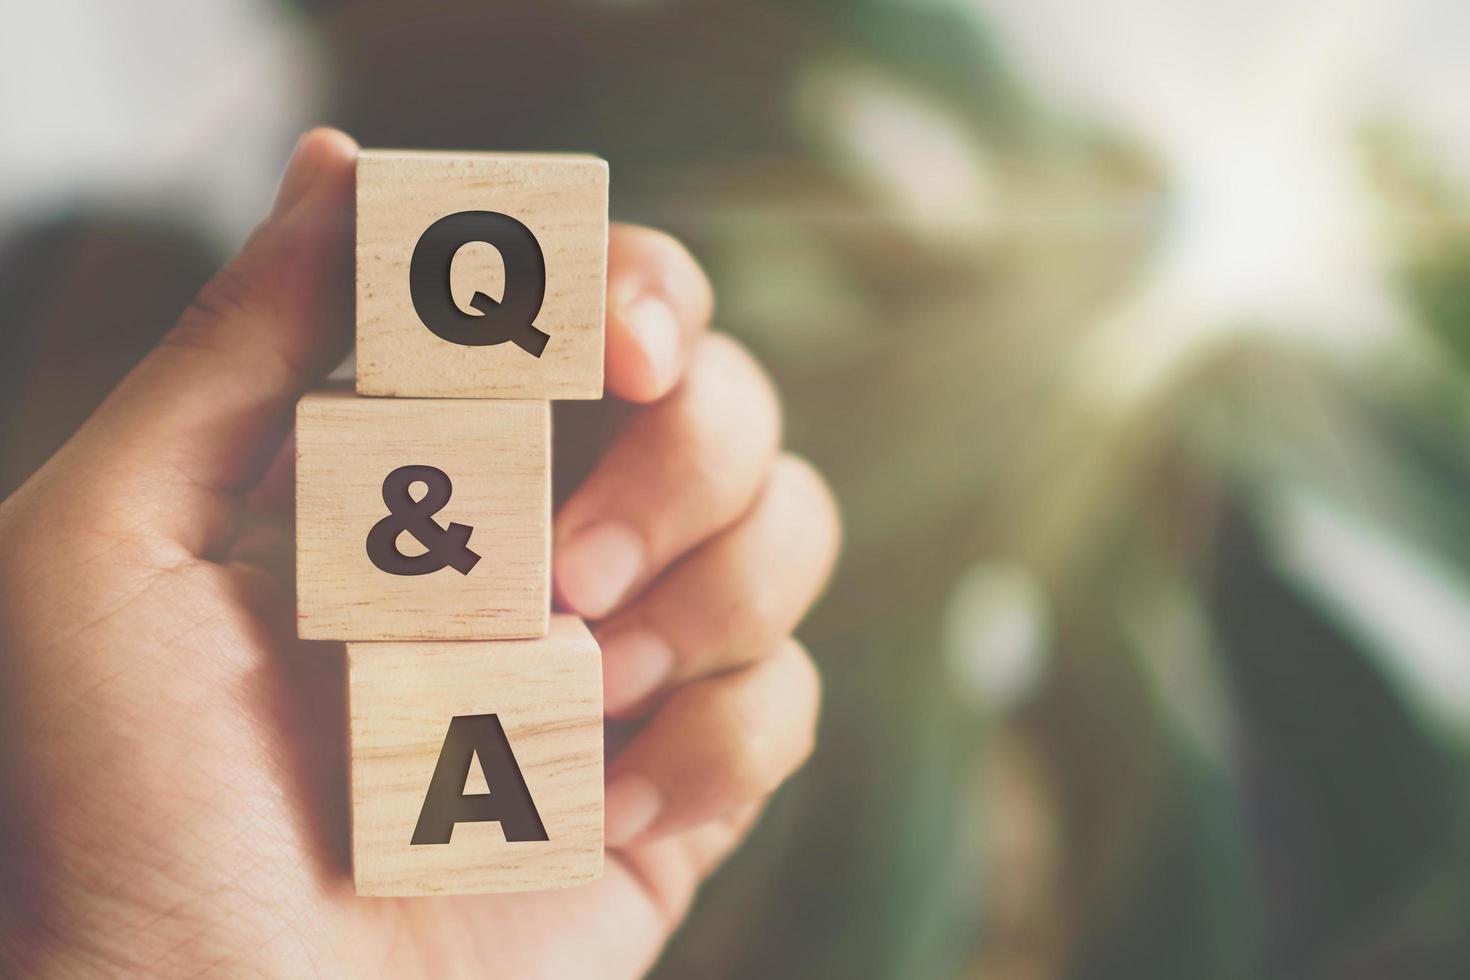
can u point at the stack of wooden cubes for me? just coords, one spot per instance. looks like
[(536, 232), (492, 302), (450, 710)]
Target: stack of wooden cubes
[(424, 523)]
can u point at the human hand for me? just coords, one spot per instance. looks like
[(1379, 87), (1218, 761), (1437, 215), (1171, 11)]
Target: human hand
[(172, 765)]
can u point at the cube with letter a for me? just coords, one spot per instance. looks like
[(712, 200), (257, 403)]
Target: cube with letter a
[(480, 275), (476, 767), (422, 519)]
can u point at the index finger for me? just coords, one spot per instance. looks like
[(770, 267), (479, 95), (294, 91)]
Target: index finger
[(658, 303)]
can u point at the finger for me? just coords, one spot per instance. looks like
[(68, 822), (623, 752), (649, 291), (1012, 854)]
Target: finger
[(265, 531), (670, 870), (716, 746), (732, 600), (683, 469), (658, 303), (274, 496), (264, 544), (708, 845), (204, 413)]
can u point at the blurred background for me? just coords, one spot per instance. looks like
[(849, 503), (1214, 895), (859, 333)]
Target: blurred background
[(1134, 336)]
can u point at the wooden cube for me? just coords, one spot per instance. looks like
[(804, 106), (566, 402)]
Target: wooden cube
[(463, 553), (456, 252), (476, 767)]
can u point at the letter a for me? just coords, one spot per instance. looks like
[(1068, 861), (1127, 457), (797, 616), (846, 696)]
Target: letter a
[(508, 802)]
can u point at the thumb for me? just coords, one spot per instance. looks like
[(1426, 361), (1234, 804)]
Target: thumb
[(199, 419)]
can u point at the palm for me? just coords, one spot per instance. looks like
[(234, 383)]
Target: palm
[(193, 759)]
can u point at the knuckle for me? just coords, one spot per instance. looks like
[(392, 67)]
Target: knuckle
[(733, 360), (725, 428), (780, 558), (754, 625), (253, 284), (243, 290), (194, 335), (229, 295), (810, 679), (806, 523), (810, 496), (751, 769), (760, 748), (730, 387), (745, 740)]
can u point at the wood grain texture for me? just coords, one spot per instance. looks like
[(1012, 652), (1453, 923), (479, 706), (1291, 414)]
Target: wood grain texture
[(497, 455), (547, 694), (561, 198)]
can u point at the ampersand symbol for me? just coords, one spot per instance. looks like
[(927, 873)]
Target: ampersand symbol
[(446, 546), (525, 282)]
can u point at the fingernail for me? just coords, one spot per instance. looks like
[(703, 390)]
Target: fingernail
[(635, 663), (652, 322), (631, 806), (596, 568)]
